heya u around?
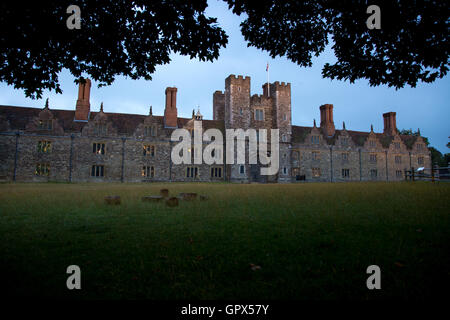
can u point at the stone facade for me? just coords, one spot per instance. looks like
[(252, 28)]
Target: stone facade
[(82, 146)]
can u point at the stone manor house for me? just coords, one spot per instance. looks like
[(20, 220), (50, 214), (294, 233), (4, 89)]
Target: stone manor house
[(85, 146)]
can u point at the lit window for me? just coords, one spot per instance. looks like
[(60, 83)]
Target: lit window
[(148, 171), (149, 150), (316, 172), (44, 146), (98, 148), (42, 169)]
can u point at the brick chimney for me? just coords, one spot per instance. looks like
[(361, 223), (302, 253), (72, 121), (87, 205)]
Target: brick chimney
[(326, 119), (83, 107), (170, 113), (390, 123)]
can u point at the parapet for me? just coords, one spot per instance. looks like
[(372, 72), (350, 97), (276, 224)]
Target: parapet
[(237, 79), (260, 99)]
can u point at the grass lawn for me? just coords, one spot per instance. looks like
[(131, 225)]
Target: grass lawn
[(312, 241)]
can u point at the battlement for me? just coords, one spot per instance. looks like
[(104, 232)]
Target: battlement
[(260, 99), (218, 92), (282, 85), (237, 80)]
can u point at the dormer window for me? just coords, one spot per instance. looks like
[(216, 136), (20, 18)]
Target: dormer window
[(344, 141), (100, 129), (397, 145), (372, 144), (45, 124), (420, 147), (150, 131), (315, 139)]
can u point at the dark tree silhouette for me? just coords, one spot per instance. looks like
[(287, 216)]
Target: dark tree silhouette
[(117, 37), (132, 37), (411, 46)]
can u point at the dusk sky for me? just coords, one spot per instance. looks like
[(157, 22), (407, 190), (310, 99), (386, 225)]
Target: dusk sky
[(359, 105)]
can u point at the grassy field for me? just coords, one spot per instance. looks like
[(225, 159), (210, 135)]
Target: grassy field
[(311, 241)]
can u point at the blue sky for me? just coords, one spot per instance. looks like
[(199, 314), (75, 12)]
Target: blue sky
[(359, 105)]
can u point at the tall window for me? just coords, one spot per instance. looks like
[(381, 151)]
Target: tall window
[(285, 170), (42, 169), (259, 114), (44, 146), (345, 173), (241, 169), (97, 171), (148, 171), (373, 174), (216, 172), (45, 124), (315, 139), (316, 172), (398, 159), (192, 172), (373, 158), (149, 150), (98, 148), (100, 129)]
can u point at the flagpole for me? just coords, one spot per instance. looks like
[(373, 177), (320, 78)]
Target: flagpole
[(268, 83)]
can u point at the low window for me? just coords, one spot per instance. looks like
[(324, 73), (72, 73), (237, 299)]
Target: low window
[(216, 172), (259, 114), (316, 172), (420, 160), (373, 158), (398, 159), (42, 169), (373, 173), (191, 172), (98, 148), (149, 150), (345, 173), (44, 146), (285, 171), (398, 173), (45, 124), (97, 171), (241, 169), (148, 171)]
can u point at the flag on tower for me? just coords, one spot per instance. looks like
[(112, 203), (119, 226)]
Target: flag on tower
[(267, 67)]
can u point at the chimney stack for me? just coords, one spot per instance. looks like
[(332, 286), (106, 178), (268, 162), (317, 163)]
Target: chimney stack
[(390, 123), (170, 112), (326, 119), (83, 106)]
